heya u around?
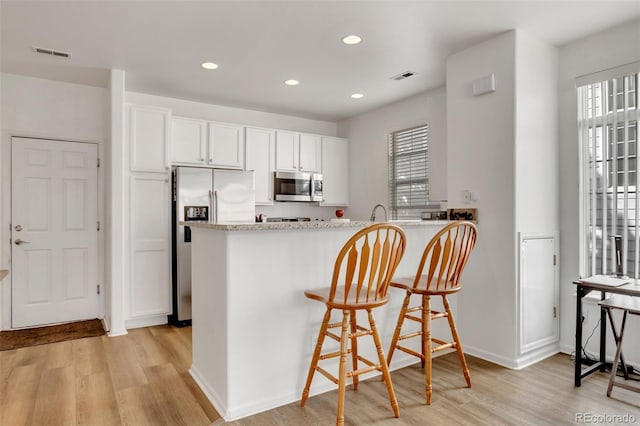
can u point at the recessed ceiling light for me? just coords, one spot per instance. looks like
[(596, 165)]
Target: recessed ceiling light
[(209, 66), (291, 82), (351, 39), (357, 96)]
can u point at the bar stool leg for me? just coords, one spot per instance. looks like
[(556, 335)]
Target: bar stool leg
[(398, 330), (456, 339), (342, 376), (614, 367), (354, 348), (383, 365), (316, 356), (426, 347)]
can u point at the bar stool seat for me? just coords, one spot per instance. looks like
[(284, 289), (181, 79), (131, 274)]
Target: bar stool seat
[(628, 305)]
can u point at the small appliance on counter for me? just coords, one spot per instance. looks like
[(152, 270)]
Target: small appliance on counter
[(210, 195)]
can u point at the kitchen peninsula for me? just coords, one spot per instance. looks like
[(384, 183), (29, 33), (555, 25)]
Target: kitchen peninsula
[(253, 328)]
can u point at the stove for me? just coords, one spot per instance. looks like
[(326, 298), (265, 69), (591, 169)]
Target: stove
[(288, 219)]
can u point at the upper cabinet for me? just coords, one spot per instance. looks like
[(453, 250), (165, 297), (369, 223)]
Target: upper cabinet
[(287, 151), (259, 157), (310, 154), (189, 141), (335, 171), (202, 143), (226, 146), (297, 152), (149, 138)]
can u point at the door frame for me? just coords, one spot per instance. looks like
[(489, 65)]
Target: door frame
[(6, 175)]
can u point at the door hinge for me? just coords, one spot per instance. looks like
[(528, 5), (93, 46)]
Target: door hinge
[(98, 289), (555, 312), (554, 260), (97, 225), (98, 162)]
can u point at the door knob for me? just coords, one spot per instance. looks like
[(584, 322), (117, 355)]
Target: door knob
[(18, 228), (19, 241)]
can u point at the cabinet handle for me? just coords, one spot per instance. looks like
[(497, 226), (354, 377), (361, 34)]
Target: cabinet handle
[(202, 160)]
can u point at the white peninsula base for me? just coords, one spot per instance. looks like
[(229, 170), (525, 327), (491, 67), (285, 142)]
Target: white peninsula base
[(253, 328)]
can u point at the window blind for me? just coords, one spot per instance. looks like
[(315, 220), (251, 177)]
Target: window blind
[(408, 172), (608, 134)]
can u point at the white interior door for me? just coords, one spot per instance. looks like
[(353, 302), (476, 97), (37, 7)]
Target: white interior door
[(53, 231)]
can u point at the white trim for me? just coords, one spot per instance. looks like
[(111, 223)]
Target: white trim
[(607, 74)]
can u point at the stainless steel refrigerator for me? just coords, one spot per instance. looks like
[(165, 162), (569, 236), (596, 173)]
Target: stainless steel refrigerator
[(199, 194)]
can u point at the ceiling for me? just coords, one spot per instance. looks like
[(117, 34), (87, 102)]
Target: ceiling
[(259, 44)]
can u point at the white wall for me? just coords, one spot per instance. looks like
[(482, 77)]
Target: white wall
[(36, 107), (537, 195), (607, 49), (368, 148), (481, 153)]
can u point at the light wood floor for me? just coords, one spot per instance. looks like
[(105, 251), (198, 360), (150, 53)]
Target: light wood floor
[(142, 379)]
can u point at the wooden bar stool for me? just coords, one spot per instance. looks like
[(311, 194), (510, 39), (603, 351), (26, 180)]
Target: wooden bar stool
[(361, 275), (444, 258), (628, 305)]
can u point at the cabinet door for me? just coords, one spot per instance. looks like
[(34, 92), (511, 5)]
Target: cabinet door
[(188, 141), (538, 291), (226, 146), (335, 171), (150, 274), (149, 138), (287, 151), (259, 158), (310, 154)]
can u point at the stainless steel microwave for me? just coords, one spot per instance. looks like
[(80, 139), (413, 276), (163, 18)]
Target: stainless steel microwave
[(295, 186)]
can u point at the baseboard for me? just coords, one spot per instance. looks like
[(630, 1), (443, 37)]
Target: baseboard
[(536, 355), (491, 357), (146, 321)]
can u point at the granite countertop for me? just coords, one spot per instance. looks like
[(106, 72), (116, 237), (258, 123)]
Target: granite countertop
[(266, 226), (3, 273)]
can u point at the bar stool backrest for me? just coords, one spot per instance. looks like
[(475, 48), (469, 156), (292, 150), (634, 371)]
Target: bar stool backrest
[(365, 265), (445, 257)]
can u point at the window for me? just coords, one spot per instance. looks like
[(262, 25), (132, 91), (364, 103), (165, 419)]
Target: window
[(408, 172), (608, 132)]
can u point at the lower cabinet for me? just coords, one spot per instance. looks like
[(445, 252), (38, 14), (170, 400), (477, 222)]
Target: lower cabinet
[(538, 291), (150, 245)]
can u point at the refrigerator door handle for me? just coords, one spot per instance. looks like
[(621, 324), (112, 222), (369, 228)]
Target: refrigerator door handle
[(212, 213)]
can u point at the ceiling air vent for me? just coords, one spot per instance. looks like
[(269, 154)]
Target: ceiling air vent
[(51, 52), (403, 75)]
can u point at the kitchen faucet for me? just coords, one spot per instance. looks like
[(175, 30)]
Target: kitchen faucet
[(373, 212)]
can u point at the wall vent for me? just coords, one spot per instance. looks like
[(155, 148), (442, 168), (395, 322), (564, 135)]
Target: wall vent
[(51, 52), (403, 75)]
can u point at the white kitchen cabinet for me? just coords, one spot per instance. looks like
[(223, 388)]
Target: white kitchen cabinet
[(297, 152), (149, 138), (259, 157), (335, 171), (287, 145), (310, 153), (226, 146), (188, 141), (150, 244)]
